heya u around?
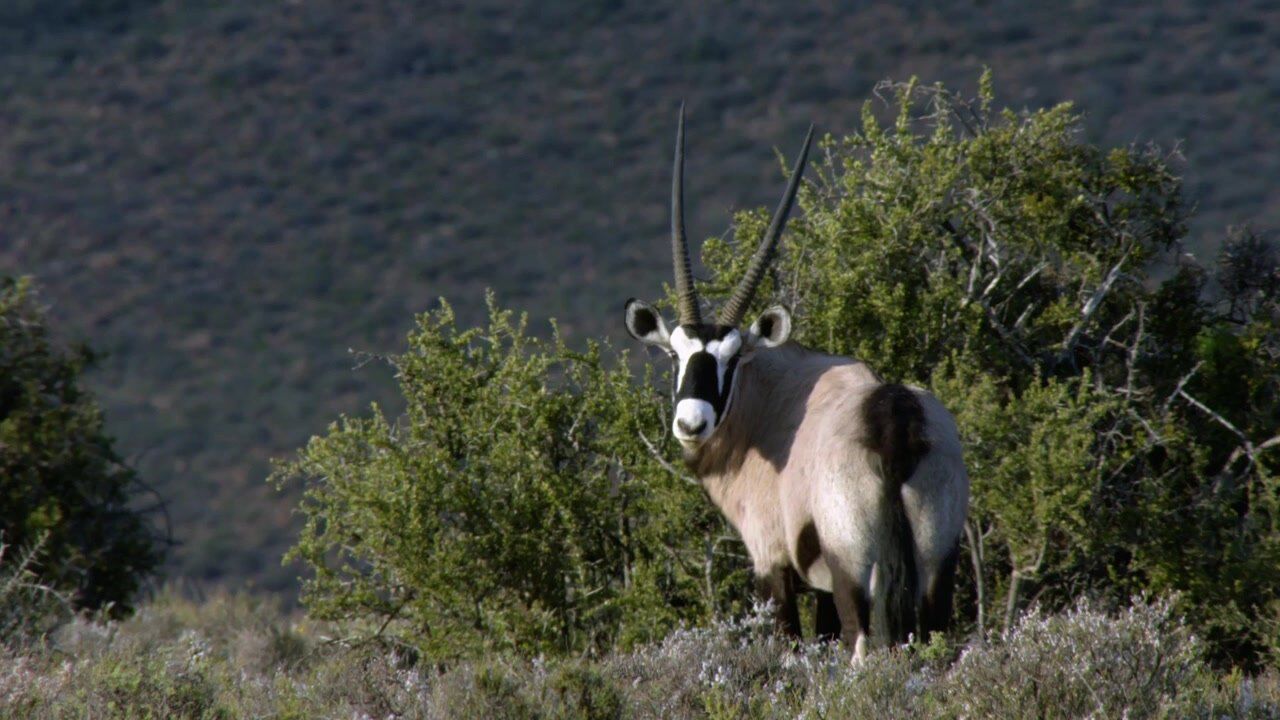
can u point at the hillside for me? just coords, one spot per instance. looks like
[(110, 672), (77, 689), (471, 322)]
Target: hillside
[(226, 199)]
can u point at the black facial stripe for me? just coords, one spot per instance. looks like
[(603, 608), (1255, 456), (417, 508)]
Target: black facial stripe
[(702, 382)]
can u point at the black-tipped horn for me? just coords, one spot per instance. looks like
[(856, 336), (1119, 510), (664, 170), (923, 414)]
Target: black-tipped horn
[(688, 297), (737, 305)]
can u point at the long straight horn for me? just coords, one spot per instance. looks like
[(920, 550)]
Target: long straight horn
[(688, 297), (737, 305)]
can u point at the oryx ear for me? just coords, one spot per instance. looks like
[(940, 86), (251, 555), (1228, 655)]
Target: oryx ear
[(646, 325), (771, 329)]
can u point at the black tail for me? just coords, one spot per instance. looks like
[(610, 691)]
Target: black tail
[(895, 431)]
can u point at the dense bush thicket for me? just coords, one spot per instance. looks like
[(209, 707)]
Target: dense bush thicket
[(234, 657), (64, 493), (1118, 422), (516, 505)]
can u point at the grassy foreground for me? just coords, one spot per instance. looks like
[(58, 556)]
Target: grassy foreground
[(237, 657)]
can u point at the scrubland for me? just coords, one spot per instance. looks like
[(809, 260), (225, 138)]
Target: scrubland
[(234, 656)]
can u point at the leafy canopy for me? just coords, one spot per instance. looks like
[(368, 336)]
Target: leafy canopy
[(515, 505)]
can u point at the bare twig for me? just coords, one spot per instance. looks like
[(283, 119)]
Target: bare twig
[(986, 292), (1008, 336), (653, 450), (1091, 307), (1267, 445), (965, 123), (1022, 318), (974, 269), (979, 579), (1031, 275), (1015, 582), (1156, 439), (394, 614), (1137, 345), (1221, 420), (1106, 339), (1181, 384), (1251, 451)]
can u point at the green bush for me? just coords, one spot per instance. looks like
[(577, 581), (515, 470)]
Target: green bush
[(62, 487), (1118, 400), (515, 505)]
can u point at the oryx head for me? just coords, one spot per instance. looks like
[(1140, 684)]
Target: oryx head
[(707, 355)]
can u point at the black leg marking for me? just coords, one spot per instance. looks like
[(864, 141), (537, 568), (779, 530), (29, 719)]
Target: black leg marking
[(779, 586), (936, 605), (808, 547), (826, 621)]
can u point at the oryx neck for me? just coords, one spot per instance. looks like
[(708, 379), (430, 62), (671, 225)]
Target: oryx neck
[(753, 413)]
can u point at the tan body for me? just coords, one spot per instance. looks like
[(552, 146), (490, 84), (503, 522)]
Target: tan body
[(788, 469), (855, 486)]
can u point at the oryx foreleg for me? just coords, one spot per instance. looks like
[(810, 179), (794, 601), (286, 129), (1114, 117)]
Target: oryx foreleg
[(852, 596), (779, 586), (826, 619)]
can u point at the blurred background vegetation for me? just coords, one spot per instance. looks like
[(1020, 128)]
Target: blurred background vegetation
[(223, 198), (73, 516)]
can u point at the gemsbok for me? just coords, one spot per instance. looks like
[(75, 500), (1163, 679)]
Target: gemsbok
[(854, 485)]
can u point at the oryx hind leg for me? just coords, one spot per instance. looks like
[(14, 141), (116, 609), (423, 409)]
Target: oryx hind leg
[(936, 605), (826, 619)]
